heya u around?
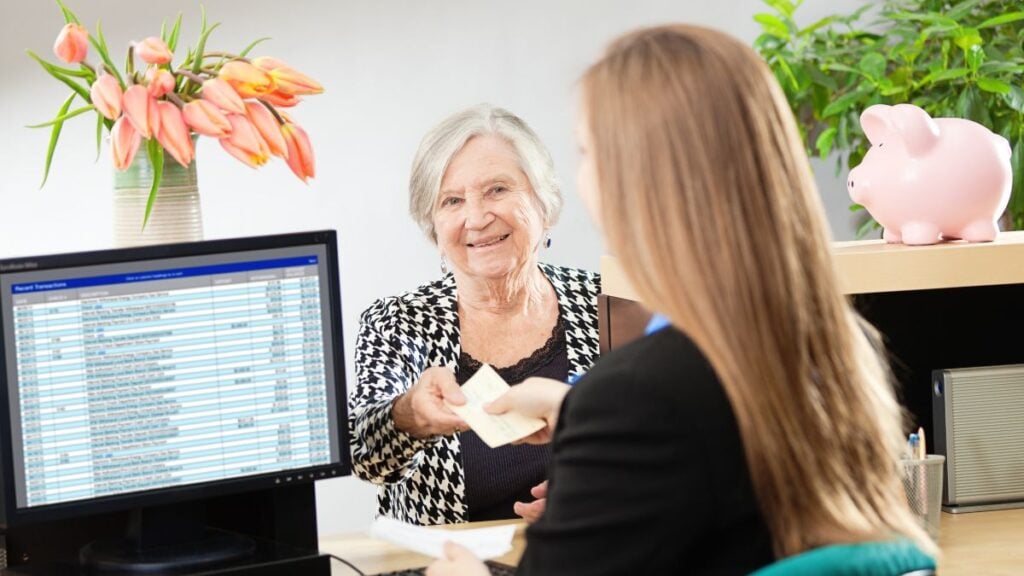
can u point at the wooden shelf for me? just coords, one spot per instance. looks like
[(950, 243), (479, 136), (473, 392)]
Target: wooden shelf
[(868, 266)]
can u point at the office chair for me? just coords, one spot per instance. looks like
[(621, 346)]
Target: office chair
[(886, 558)]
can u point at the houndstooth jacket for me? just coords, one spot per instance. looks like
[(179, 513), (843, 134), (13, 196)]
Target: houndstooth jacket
[(421, 480)]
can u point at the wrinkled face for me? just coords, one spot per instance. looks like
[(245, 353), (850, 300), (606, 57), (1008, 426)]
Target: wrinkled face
[(488, 220), (586, 174)]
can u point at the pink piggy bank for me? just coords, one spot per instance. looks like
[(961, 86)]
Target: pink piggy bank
[(929, 179)]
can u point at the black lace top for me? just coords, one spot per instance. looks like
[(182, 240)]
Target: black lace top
[(497, 478)]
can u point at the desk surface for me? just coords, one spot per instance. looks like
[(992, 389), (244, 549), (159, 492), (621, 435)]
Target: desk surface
[(989, 543), (374, 556)]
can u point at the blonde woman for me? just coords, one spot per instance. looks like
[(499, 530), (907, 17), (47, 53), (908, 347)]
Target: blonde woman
[(759, 422)]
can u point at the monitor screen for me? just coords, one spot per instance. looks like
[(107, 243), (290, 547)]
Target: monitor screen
[(144, 375)]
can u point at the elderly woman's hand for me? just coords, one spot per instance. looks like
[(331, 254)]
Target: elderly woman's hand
[(532, 511), (536, 398), (458, 561), (421, 411)]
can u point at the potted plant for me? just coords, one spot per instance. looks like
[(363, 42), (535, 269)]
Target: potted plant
[(962, 60), (153, 108)]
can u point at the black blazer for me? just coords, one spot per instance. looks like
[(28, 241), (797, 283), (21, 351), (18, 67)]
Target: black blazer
[(648, 474)]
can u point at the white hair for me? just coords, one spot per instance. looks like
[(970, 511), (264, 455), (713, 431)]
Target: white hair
[(446, 139)]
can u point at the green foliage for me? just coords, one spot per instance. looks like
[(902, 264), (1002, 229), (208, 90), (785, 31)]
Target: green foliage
[(961, 59)]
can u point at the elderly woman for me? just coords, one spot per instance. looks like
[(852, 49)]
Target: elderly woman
[(483, 189)]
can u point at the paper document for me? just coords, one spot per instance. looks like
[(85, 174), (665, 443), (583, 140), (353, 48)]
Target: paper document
[(485, 543), (495, 430)]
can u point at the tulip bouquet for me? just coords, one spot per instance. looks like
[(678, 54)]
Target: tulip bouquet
[(226, 96)]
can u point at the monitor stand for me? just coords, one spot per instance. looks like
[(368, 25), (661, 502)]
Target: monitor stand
[(171, 539)]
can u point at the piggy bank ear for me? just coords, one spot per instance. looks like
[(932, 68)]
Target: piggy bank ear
[(915, 127), (876, 123)]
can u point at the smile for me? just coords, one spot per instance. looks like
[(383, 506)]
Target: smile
[(490, 242)]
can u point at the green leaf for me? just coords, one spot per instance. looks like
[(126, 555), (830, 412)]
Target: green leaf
[(249, 48), (821, 78), (100, 44), (99, 135), (855, 207), (971, 106), (993, 85), (1002, 19), (64, 117), (975, 57), (1017, 192), (941, 76), (56, 73), (156, 158), (69, 16), (81, 73), (967, 38), (843, 68), (784, 7), (789, 72), (1015, 98), (868, 225), (1002, 67), (872, 65), (54, 136), (926, 17), (172, 42), (962, 9), (817, 25), (201, 45), (771, 24), (842, 103), (824, 142)]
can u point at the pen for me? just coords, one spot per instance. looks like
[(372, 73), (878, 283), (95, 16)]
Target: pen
[(922, 452)]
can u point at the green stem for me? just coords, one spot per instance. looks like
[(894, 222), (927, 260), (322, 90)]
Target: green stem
[(273, 111), (187, 74)]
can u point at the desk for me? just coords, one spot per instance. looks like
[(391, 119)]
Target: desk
[(979, 543), (374, 556), (989, 543)]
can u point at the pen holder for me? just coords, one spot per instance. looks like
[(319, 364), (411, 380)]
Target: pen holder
[(922, 480)]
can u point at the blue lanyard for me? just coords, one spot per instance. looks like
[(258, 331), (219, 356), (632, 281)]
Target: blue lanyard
[(657, 323)]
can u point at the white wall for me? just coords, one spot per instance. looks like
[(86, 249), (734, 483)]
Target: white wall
[(392, 69)]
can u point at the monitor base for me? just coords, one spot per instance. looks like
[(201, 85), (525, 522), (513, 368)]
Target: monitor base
[(121, 556)]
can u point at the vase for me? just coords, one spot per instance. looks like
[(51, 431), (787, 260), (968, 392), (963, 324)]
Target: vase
[(176, 214)]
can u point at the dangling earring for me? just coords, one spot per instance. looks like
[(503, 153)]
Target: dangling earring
[(547, 241), (444, 266)]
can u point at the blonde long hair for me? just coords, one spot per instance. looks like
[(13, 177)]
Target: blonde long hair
[(709, 201)]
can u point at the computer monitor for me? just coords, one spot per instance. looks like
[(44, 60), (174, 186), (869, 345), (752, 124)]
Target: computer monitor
[(140, 377)]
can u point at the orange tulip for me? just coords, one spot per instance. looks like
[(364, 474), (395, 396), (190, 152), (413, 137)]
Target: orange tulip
[(220, 93), (288, 79), (124, 143), (153, 50), (206, 119), (245, 142), (72, 43), (106, 96), (300, 151), (280, 99), (174, 135), (268, 127), (140, 108), (248, 80), (159, 82)]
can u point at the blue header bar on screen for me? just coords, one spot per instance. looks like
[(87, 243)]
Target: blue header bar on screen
[(161, 274)]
